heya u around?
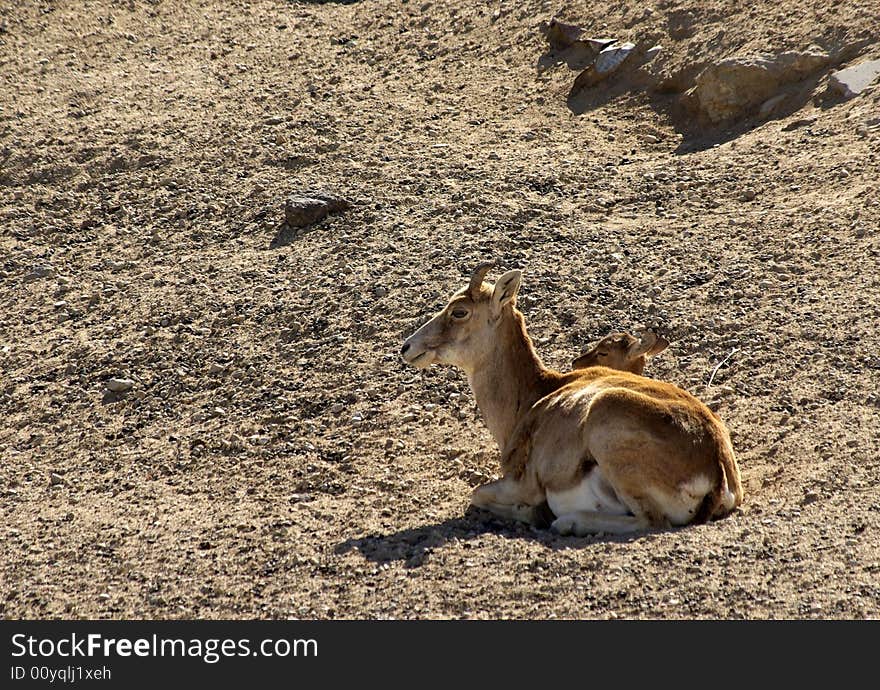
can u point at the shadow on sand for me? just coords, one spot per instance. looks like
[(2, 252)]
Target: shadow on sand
[(413, 546), (697, 134)]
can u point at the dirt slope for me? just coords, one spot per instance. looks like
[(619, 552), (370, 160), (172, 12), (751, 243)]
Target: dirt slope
[(274, 457)]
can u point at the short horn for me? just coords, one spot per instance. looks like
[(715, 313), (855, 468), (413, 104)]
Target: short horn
[(478, 276)]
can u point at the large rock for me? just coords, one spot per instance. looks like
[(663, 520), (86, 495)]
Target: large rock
[(730, 88), (853, 80), (304, 209)]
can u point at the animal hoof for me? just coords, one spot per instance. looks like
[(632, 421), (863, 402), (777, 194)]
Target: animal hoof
[(474, 511), (563, 526)]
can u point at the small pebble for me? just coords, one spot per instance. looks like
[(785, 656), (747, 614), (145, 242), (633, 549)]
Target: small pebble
[(809, 497)]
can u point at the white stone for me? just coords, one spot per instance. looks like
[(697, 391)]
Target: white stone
[(853, 80), (119, 385), (612, 57)]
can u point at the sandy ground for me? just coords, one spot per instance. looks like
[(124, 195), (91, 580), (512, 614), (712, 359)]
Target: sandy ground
[(274, 457)]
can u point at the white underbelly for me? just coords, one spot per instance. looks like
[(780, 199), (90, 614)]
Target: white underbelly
[(593, 493)]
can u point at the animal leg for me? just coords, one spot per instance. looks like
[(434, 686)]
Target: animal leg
[(583, 522), (510, 499)]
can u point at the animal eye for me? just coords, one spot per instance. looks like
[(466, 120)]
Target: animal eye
[(459, 313), (601, 354)]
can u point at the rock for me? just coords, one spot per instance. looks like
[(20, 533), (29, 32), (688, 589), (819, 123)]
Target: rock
[(728, 89), (607, 62), (380, 291), (40, 272), (311, 207), (748, 194), (56, 479), (599, 44), (797, 124), (771, 104), (652, 52), (850, 82), (216, 368), (809, 497), (119, 385), (566, 44), (558, 34)]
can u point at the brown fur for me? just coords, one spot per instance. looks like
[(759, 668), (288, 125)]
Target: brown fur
[(654, 442), (622, 351)]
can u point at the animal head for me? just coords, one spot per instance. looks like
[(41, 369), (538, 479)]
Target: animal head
[(622, 351), (465, 332)]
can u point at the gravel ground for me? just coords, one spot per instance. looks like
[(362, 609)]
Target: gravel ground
[(267, 454)]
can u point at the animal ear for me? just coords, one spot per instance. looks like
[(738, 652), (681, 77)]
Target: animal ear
[(645, 342), (506, 289), (658, 347), (649, 343)]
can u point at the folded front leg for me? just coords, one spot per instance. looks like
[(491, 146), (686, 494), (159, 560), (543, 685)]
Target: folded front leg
[(511, 499)]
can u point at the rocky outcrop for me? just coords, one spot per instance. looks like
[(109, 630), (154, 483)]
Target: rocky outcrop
[(595, 58), (731, 88)]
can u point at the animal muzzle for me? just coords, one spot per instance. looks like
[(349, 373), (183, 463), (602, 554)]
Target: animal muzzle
[(416, 355)]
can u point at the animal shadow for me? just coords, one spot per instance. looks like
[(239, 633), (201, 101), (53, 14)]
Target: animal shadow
[(414, 546)]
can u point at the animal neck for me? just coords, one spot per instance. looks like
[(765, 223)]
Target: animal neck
[(510, 379)]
